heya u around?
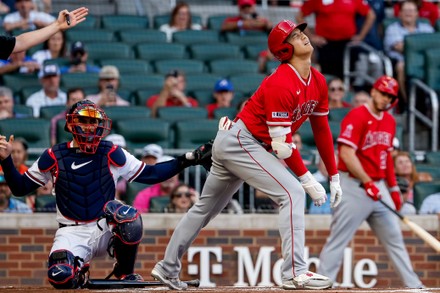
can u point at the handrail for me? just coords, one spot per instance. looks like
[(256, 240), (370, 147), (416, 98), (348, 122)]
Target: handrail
[(387, 65), (414, 113)]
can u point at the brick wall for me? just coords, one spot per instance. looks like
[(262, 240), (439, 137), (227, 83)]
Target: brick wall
[(24, 250)]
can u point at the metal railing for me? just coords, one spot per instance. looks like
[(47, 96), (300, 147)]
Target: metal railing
[(432, 123)]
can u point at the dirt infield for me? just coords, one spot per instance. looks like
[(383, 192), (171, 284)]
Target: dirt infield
[(6, 289)]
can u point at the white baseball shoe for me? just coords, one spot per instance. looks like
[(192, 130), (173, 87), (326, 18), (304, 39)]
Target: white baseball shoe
[(173, 283), (308, 280)]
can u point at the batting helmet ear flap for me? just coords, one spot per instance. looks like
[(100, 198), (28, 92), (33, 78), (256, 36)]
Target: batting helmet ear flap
[(278, 46)]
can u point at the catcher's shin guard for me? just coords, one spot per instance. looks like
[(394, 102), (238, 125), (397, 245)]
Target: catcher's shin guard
[(64, 270), (127, 234)]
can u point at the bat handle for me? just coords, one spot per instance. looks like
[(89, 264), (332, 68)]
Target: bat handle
[(67, 16), (392, 210), (193, 283)]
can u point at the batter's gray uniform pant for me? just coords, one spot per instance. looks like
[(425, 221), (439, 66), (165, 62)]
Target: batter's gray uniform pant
[(356, 206), (237, 157)]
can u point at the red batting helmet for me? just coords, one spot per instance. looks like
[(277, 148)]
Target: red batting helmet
[(277, 39), (388, 85)]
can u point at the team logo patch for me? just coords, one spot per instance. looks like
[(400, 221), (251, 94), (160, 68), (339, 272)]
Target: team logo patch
[(280, 115)]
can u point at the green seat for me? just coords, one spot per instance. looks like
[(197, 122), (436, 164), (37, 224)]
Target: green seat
[(253, 51), (161, 19), (338, 114), (156, 52), (142, 131), (432, 68), (92, 21), (437, 25), (433, 158), (184, 65), (191, 134), (109, 50), (190, 37), (432, 169), (135, 82), (24, 110), (271, 66), (201, 81), (82, 80), (415, 46), (249, 38), (62, 135), (174, 114), (422, 190), (220, 112), (208, 52), (118, 22), (133, 189), (18, 81), (88, 35), (159, 203), (64, 61), (118, 113), (204, 97), (335, 128), (45, 204), (48, 112), (307, 138), (35, 131), (247, 83), (214, 22), (141, 96), (228, 67), (142, 36), (27, 91), (129, 66)]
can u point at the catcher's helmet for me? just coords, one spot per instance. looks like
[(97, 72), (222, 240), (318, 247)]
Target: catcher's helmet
[(278, 46), (88, 123), (388, 85)]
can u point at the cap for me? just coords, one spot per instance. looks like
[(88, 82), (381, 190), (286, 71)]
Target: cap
[(387, 84), (49, 70), (246, 2), (153, 150), (77, 47), (116, 139), (108, 72), (165, 158), (223, 85)]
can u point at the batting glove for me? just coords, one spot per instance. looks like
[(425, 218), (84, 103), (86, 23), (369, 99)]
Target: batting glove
[(201, 156), (372, 190), (396, 196), (225, 123), (313, 188), (335, 191)]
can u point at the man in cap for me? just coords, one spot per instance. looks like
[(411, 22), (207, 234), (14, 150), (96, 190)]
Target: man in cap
[(151, 153), (108, 87), (50, 94), (223, 95), (78, 60), (247, 19)]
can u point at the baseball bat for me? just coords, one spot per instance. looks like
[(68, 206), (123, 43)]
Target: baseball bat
[(419, 231), (119, 284)]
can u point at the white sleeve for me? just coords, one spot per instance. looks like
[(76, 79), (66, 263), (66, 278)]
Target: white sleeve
[(132, 168)]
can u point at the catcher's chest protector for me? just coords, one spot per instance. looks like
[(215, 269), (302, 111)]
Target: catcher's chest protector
[(83, 182)]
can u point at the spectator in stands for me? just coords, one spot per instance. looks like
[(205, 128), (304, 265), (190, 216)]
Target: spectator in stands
[(74, 95), (54, 47), (427, 9), (121, 186), (142, 200), (18, 62), (43, 5), (246, 20), (336, 93), (335, 28), (4, 8), (9, 204), (108, 88), (223, 95), (50, 94), (7, 104), (79, 60), (26, 18), (394, 42), (360, 98), (182, 198), (180, 20), (151, 153), (431, 204), (405, 168), (172, 93), (264, 57)]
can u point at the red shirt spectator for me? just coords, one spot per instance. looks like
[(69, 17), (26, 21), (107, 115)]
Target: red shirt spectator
[(247, 19)]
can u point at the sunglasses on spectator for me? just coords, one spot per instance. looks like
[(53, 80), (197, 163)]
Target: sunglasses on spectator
[(180, 194), (334, 89)]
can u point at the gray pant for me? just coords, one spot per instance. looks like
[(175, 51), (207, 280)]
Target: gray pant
[(238, 157)]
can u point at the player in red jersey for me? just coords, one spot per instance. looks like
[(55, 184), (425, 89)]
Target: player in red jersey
[(241, 153), (367, 175)]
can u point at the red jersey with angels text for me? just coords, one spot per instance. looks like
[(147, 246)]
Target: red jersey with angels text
[(284, 99), (372, 138)]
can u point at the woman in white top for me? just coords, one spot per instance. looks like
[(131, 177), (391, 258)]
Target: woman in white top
[(180, 20), (54, 47)]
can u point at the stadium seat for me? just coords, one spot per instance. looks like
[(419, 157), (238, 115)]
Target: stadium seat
[(253, 51), (92, 21), (132, 190), (82, 80), (185, 65), (161, 19), (432, 68), (247, 83), (142, 131), (422, 190), (63, 61), (191, 37), (156, 52), (432, 169), (159, 203), (24, 110), (415, 46), (135, 82), (27, 91), (129, 66), (88, 35), (18, 81), (62, 135), (249, 38), (338, 114), (204, 97), (214, 22), (35, 131), (228, 67), (109, 50), (191, 134), (141, 96), (433, 158), (201, 81), (118, 22), (45, 204), (208, 52), (271, 66), (118, 113), (220, 112), (142, 36), (48, 112), (173, 114)]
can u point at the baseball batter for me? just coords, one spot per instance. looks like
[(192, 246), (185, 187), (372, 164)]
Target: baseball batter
[(367, 174), (285, 99), (85, 172)]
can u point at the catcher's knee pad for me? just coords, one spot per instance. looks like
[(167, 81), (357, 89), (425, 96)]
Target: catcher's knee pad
[(127, 233), (64, 270)]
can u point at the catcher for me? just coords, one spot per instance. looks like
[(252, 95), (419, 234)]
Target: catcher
[(84, 172)]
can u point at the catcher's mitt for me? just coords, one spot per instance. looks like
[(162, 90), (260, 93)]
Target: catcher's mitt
[(202, 155)]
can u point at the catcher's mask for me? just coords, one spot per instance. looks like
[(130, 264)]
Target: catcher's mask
[(89, 124)]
